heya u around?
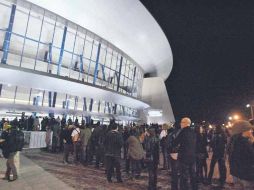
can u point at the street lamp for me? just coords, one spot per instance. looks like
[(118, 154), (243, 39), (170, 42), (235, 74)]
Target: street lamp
[(251, 109), (230, 118), (236, 117)]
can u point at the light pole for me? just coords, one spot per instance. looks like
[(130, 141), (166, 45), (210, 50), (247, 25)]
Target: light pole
[(251, 109)]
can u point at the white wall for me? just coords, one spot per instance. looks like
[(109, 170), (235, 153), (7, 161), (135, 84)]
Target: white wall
[(154, 92)]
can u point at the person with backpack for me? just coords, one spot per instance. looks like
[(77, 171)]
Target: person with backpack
[(13, 141), (76, 143)]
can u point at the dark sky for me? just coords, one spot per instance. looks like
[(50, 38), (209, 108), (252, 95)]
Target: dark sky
[(213, 51)]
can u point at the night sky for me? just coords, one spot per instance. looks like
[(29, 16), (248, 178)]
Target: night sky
[(213, 51)]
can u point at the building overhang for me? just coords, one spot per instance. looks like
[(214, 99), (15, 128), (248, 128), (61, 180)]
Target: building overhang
[(40, 80)]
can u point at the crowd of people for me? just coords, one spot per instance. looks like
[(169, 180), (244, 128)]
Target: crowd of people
[(183, 149)]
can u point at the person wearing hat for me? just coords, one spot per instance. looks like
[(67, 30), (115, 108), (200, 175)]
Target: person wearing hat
[(241, 154)]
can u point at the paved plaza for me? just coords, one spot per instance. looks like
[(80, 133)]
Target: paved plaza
[(45, 171)]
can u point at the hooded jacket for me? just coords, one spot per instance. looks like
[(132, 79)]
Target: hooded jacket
[(241, 158), (135, 149)]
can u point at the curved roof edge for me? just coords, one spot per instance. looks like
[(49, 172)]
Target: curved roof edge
[(126, 24)]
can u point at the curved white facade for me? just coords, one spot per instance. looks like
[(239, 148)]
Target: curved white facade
[(125, 23), (84, 57)]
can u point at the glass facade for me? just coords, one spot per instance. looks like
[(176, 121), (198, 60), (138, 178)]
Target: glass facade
[(34, 38), (28, 96)]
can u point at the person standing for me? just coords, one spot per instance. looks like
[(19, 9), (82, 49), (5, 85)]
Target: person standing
[(218, 144), (173, 154), (113, 144), (76, 143), (152, 148), (85, 134), (67, 140), (135, 154), (202, 154), (9, 138), (163, 143), (186, 139), (241, 154)]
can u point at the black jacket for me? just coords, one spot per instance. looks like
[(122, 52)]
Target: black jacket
[(113, 144), (187, 141), (202, 144), (152, 148), (218, 144), (241, 158), (67, 136)]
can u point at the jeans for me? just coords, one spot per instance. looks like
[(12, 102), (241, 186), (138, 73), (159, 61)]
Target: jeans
[(111, 163), (201, 165), (77, 151), (84, 153), (152, 175), (99, 154), (67, 149), (135, 167), (175, 174), (165, 159), (186, 171), (10, 166), (222, 168)]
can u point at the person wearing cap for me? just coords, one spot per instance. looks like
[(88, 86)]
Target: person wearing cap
[(186, 140), (241, 154)]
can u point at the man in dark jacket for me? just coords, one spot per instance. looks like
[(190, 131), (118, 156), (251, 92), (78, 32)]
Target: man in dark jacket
[(187, 154), (113, 144), (241, 154), (218, 144), (9, 151), (152, 157), (67, 140)]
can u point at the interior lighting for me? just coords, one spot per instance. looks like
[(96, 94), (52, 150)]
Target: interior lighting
[(155, 113)]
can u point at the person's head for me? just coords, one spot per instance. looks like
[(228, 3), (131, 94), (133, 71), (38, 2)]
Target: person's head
[(165, 126), (151, 131), (242, 127), (185, 122), (114, 126), (248, 134), (218, 129), (6, 126)]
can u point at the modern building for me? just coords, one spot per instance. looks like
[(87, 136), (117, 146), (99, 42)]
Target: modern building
[(98, 59)]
